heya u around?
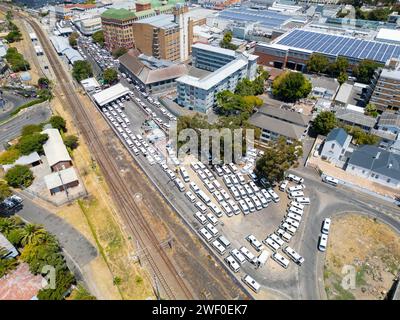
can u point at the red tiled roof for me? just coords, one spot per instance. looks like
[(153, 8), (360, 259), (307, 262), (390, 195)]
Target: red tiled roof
[(20, 284)]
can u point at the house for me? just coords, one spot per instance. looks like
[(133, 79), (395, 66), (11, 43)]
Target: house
[(335, 145), (276, 122), (30, 160), (390, 122), (9, 250), (354, 116), (375, 164), (61, 180), (56, 153)]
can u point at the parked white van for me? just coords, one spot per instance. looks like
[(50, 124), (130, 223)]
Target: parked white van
[(284, 235), (323, 242), (295, 188), (250, 204), (212, 229), (234, 206), (215, 209), (200, 205), (238, 256), (254, 242), (295, 210), (277, 239), (219, 171), (232, 263), (257, 202), (171, 174), (296, 194), (209, 185), (302, 200), (243, 206), (283, 185), (292, 222), (272, 244), (227, 208), (248, 189), (289, 228), (248, 255), (273, 195), (281, 260), (296, 205), (326, 226), (242, 192), (235, 193), (241, 179), (203, 197), (219, 247), (263, 201), (184, 174), (212, 218), (180, 184), (199, 216), (253, 284), (293, 255), (225, 242), (217, 185), (227, 181), (234, 180), (190, 196), (295, 178), (194, 187), (330, 180), (205, 234), (294, 216), (262, 259), (217, 195)]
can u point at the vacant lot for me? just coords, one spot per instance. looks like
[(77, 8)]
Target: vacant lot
[(371, 248)]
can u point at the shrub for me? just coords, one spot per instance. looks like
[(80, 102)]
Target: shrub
[(19, 176), (58, 122)]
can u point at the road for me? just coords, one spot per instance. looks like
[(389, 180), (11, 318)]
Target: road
[(78, 249), (33, 115), (329, 201), (13, 101)]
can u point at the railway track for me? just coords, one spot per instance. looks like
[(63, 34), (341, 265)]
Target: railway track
[(160, 264)]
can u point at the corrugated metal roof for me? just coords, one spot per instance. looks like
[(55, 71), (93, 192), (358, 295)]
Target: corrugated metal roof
[(54, 147), (286, 115), (110, 94), (355, 117), (59, 178), (338, 135)]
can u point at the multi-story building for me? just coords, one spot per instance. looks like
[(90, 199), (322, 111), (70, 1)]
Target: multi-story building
[(87, 24), (158, 36), (118, 28), (386, 95), (226, 68)]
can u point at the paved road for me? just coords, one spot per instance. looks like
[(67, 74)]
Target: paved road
[(328, 201), (33, 115), (13, 101), (72, 241)]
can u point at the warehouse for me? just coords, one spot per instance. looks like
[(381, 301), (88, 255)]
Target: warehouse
[(110, 94), (293, 49), (56, 153)]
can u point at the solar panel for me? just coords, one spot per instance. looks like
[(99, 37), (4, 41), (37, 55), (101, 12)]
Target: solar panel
[(337, 45)]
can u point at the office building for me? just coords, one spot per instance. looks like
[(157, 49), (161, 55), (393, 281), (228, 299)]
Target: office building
[(225, 69)]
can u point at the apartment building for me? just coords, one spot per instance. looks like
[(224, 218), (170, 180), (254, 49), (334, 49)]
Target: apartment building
[(158, 36), (222, 70), (386, 94), (118, 28)]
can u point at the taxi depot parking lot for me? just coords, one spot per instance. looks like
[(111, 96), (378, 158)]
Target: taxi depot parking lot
[(258, 265)]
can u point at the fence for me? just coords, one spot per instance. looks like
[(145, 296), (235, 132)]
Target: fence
[(56, 202)]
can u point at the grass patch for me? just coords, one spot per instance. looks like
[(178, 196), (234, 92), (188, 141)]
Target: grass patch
[(341, 293), (360, 281), (391, 263)]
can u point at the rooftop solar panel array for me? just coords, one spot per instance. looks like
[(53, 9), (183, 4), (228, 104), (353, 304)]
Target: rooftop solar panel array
[(337, 45), (264, 17)]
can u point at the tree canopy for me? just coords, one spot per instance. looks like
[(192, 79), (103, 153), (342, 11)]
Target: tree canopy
[(5, 190), (58, 122), (291, 86), (324, 122), (230, 103), (318, 63), (371, 110), (98, 37), (360, 136), (119, 52), (277, 159), (110, 76), (16, 60), (73, 39), (226, 41), (364, 71), (31, 143), (19, 176), (71, 141), (82, 70)]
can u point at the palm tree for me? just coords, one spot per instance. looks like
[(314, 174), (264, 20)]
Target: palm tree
[(6, 225), (33, 234)]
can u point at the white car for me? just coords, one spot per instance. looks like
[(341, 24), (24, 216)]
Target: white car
[(254, 242), (200, 205), (234, 206), (218, 196), (226, 208)]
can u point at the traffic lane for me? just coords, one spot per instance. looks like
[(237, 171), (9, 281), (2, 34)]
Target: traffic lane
[(76, 245), (33, 115), (15, 100)]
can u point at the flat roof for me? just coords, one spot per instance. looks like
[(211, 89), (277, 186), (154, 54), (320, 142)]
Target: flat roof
[(214, 78), (110, 94), (344, 93), (54, 148), (90, 82), (214, 49), (160, 21), (391, 35), (118, 14), (339, 45), (59, 178), (391, 74)]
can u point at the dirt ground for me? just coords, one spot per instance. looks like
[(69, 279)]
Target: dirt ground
[(369, 246)]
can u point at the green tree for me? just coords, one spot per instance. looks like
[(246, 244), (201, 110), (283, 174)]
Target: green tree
[(317, 63), (371, 110), (278, 158), (226, 42), (361, 137), (5, 190), (342, 78), (338, 67), (32, 234), (81, 293), (324, 122), (43, 83), (71, 142), (9, 15), (6, 265), (98, 37), (58, 122), (110, 76), (73, 39), (9, 156), (19, 176), (291, 86), (64, 280), (45, 94), (119, 52), (16, 60), (82, 70), (31, 143), (15, 236), (365, 70), (30, 129)]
